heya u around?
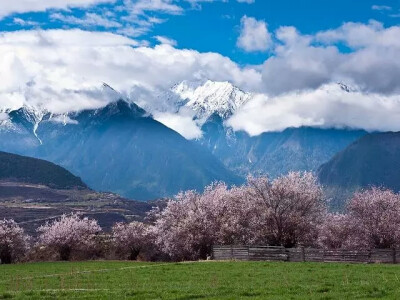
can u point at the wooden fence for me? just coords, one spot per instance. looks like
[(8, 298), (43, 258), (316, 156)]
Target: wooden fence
[(270, 253)]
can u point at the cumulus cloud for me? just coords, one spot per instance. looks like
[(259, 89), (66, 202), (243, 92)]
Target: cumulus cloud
[(22, 6), (331, 106), (305, 62), (254, 35)]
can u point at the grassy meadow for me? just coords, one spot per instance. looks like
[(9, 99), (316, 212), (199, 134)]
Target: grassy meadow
[(198, 280)]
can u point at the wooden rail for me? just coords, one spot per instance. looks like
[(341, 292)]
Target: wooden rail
[(271, 253)]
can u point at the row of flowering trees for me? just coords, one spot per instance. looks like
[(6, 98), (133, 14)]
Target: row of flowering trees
[(288, 211)]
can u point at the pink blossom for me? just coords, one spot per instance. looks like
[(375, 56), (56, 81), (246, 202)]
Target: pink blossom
[(336, 232), (131, 238), (375, 218), (291, 208), (13, 241), (68, 234)]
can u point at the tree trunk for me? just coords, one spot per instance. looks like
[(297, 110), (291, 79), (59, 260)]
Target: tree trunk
[(65, 253), (5, 255), (134, 254)]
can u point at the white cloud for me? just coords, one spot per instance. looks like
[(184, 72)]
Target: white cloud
[(22, 6), (254, 35), (381, 7), (165, 40), (304, 61), (142, 6), (180, 122), (246, 1), (88, 20), (22, 22), (3, 116), (329, 107)]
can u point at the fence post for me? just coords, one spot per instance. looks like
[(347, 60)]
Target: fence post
[(394, 255), (303, 254), (231, 252)]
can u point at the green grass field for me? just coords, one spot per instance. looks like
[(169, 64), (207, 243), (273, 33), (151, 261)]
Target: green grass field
[(199, 280)]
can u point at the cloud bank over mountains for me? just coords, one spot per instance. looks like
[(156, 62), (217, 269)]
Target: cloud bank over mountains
[(330, 106), (63, 70)]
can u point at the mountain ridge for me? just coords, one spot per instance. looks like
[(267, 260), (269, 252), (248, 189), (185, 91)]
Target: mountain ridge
[(372, 160), (120, 148)]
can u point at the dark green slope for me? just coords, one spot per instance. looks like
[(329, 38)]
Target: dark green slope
[(373, 160), (31, 170)]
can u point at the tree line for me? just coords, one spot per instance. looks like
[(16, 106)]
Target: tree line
[(288, 211)]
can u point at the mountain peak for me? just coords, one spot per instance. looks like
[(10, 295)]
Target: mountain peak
[(347, 88), (119, 109), (211, 97)]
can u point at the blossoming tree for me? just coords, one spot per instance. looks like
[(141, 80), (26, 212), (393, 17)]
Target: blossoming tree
[(70, 233), (130, 239), (335, 232), (13, 241), (286, 211), (375, 218), (291, 208)]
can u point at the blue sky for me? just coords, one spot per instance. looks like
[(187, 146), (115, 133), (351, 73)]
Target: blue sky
[(215, 26)]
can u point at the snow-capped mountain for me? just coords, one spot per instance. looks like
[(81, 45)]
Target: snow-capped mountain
[(211, 97), (118, 148)]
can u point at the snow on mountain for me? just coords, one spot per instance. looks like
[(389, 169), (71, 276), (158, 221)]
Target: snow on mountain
[(5, 122), (34, 116), (347, 88), (221, 98)]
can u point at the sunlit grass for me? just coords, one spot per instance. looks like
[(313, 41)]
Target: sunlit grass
[(211, 280)]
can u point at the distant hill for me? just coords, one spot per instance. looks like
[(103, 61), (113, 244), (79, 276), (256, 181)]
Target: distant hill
[(30, 170), (373, 160)]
